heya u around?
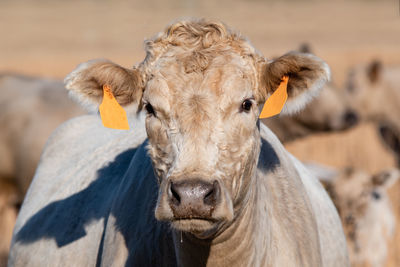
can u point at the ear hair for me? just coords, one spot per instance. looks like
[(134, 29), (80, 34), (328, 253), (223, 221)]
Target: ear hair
[(86, 82), (307, 75)]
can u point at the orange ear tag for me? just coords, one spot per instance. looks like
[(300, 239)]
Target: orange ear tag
[(111, 113), (276, 101)]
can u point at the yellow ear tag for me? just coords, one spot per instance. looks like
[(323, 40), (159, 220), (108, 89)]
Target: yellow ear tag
[(276, 101), (111, 113)]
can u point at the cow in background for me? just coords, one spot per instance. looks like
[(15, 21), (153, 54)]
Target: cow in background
[(364, 208), (30, 109), (373, 90)]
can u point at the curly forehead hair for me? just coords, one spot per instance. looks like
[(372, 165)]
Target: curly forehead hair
[(200, 40)]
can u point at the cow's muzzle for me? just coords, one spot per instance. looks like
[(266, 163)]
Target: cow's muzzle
[(193, 199)]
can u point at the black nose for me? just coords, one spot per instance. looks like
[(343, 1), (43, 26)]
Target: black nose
[(350, 118), (193, 199)]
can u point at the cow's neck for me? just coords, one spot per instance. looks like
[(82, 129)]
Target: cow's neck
[(243, 243)]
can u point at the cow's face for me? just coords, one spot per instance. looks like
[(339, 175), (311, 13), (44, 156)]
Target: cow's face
[(364, 208), (202, 87), (203, 138), (364, 78), (365, 90)]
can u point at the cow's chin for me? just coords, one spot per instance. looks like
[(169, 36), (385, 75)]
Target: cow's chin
[(200, 228)]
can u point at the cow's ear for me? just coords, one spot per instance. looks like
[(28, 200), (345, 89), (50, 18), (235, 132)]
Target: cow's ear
[(86, 82), (307, 75), (374, 71), (390, 137), (386, 178)]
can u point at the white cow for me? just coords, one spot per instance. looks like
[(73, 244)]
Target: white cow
[(198, 182)]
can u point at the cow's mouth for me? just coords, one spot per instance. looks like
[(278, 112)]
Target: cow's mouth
[(200, 227), (194, 206)]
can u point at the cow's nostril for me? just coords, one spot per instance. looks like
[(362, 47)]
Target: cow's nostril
[(193, 198), (176, 199), (211, 196)]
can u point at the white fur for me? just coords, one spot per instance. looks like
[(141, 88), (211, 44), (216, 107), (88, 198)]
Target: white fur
[(322, 172)]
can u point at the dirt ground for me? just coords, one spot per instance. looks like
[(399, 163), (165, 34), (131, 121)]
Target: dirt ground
[(49, 38)]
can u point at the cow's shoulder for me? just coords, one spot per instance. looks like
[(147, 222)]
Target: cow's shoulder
[(292, 185)]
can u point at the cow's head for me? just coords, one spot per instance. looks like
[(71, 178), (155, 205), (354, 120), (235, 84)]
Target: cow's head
[(364, 77), (366, 90), (365, 210), (202, 87)]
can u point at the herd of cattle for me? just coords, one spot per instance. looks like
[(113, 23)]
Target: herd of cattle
[(196, 179)]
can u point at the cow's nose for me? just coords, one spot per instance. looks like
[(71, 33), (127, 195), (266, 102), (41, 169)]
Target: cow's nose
[(193, 199), (350, 118)]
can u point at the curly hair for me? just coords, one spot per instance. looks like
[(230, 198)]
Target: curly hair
[(196, 41)]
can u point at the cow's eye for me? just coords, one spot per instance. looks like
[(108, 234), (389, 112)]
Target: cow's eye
[(149, 109), (246, 105), (376, 195)]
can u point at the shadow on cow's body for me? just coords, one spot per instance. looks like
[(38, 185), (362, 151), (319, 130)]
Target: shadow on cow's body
[(92, 202), (125, 189)]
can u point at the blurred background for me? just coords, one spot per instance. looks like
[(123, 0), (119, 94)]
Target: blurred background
[(48, 39)]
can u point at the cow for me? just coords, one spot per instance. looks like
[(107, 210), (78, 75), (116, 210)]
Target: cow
[(364, 208), (197, 181), (30, 109), (373, 91)]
